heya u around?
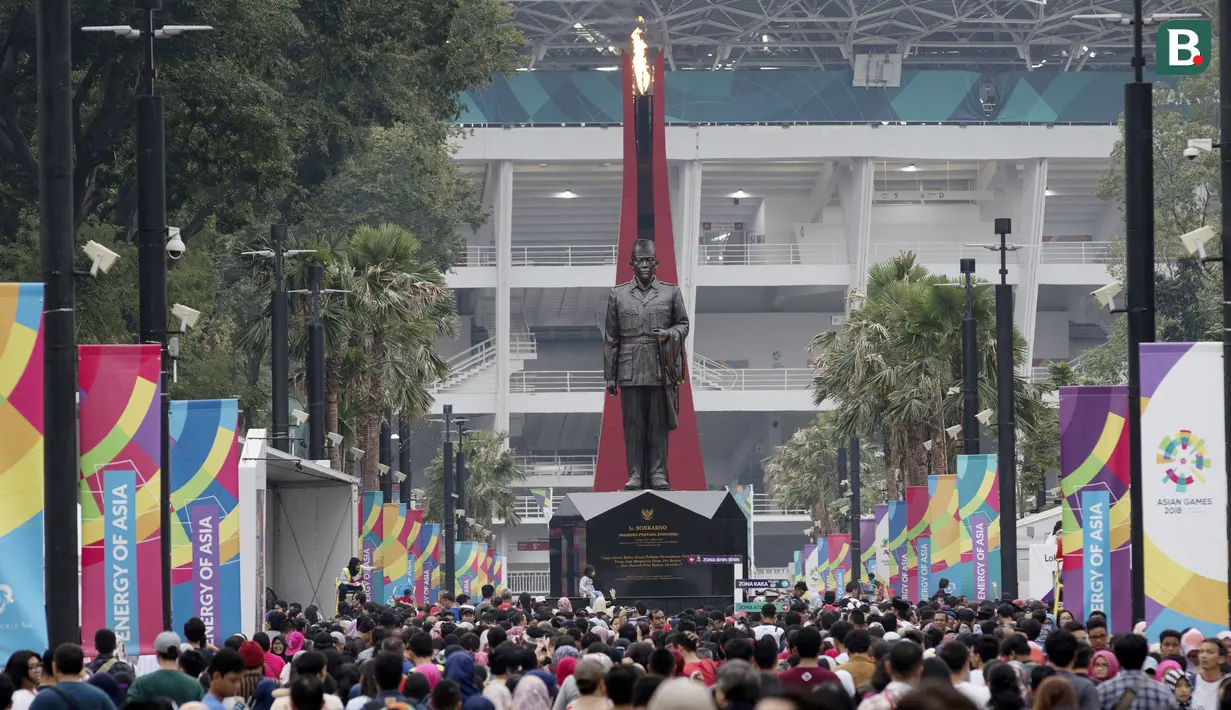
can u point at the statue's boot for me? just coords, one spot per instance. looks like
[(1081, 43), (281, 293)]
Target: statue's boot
[(634, 482), (658, 481)]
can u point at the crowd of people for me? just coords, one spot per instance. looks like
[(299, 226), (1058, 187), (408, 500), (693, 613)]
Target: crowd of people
[(502, 653)]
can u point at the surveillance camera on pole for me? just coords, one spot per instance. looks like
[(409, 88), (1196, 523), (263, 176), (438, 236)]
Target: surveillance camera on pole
[(188, 316), (399, 476), (175, 245), (984, 417), (383, 469), (1106, 296), (953, 431), (334, 438), (300, 416), (102, 257), (1196, 240), (356, 453)]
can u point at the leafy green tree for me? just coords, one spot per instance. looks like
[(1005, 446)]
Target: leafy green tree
[(1188, 297), (803, 473), (492, 472), (894, 370)]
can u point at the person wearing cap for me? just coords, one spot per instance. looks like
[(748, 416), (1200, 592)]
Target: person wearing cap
[(168, 681)]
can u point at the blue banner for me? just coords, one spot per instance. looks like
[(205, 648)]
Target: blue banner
[(903, 575), (120, 543), (923, 550), (1096, 570)]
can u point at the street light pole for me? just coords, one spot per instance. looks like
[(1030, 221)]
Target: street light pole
[(316, 371), (463, 529), (448, 531), (1005, 418), (856, 513), (55, 182), (404, 457), (1224, 159), (386, 457), (970, 365), (279, 353), (1139, 289)]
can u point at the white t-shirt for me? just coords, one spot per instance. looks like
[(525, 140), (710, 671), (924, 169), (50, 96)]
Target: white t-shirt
[(22, 699), (976, 678), (1205, 694), (977, 694), (768, 630)]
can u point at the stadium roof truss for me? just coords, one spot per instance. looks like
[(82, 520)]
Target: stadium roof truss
[(829, 34)]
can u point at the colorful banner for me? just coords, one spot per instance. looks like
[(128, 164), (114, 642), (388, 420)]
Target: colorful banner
[(498, 573), (542, 499), (371, 535), (868, 548), (1096, 567), (394, 550), (427, 564), (1094, 457), (840, 561), (978, 497), (466, 555), (946, 535), (489, 566), (413, 527), (899, 573), (120, 432), (916, 526), (810, 562), (823, 570), (1184, 486), (797, 567), (743, 496), (23, 617), (923, 557), (205, 499), (880, 515), (481, 572)]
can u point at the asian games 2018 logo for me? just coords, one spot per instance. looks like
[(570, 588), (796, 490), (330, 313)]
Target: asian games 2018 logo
[(1184, 458)]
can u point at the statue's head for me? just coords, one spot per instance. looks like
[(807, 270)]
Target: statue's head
[(644, 261)]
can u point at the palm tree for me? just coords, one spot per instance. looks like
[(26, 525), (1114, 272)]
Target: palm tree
[(492, 472), (894, 369), (803, 473)]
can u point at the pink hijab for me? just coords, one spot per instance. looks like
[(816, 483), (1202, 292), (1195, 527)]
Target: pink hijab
[(294, 643), (564, 604), (564, 669), (1113, 666)]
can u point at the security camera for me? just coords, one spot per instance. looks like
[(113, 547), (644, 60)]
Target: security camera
[(1197, 146), (1106, 296), (188, 316), (102, 257), (334, 438), (356, 453), (399, 476), (954, 430), (927, 445), (984, 417), (1195, 241), (175, 245), (300, 416), (1191, 153), (383, 469)]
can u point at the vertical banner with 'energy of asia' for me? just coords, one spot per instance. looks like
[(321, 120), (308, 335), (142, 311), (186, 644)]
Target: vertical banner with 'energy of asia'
[(867, 548), (880, 513), (1184, 486), (205, 531), (23, 621), (978, 499), (1094, 457), (413, 528), (839, 561), (394, 550), (371, 534), (429, 568), (916, 527), (899, 573), (120, 431), (946, 535)]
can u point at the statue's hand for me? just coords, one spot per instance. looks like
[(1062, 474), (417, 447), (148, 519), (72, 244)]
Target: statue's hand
[(659, 333), (612, 387)]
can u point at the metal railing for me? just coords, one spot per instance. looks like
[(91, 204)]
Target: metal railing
[(480, 356), (1039, 374), (771, 254), (1074, 252), (931, 252), (558, 465), (477, 256), (529, 507), (529, 582), (565, 255), (767, 504), (730, 379)]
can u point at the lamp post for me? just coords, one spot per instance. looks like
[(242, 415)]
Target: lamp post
[(856, 509), (404, 487), (56, 229), (1224, 159), (1139, 289), (1005, 419), (152, 251), (450, 570), (970, 364), (316, 360), (463, 530), (386, 457)]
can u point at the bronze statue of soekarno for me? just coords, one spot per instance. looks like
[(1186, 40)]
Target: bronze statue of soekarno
[(643, 361)]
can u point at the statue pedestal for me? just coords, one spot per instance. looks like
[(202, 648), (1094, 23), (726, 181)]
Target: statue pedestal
[(671, 549)]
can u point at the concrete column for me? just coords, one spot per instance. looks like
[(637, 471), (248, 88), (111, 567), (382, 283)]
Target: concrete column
[(502, 225), (855, 192), (688, 234), (1028, 232)]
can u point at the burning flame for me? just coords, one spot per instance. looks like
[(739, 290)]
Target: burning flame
[(641, 63)]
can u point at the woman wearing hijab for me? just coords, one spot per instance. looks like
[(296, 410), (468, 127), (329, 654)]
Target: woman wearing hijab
[(1179, 684), (350, 582), (1103, 666), (564, 669), (531, 694), (459, 668)]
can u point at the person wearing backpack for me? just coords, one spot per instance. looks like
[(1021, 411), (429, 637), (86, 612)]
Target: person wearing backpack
[(106, 661), (387, 671)]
